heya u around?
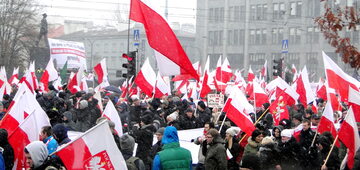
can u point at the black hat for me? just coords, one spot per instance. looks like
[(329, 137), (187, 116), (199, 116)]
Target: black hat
[(315, 116), (202, 104), (147, 118)]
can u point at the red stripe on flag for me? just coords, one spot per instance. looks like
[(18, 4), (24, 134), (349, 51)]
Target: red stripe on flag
[(73, 155)]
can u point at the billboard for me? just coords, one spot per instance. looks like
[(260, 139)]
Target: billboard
[(70, 51)]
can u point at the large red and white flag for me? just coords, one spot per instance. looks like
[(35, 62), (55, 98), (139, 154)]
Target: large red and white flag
[(14, 79), (75, 81), (161, 87), (161, 38), (30, 78), (349, 135), (333, 98), (236, 108), (303, 88), (354, 102), (282, 85), (101, 71), (111, 113), (259, 95), (321, 90), (88, 152), (205, 86), (327, 120), (278, 107), (180, 77), (338, 79), (146, 78), (251, 75), (226, 72), (23, 122), (50, 74)]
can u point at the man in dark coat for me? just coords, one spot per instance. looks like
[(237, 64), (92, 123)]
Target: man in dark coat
[(215, 158), (204, 113), (289, 150), (306, 138), (188, 121), (60, 134), (144, 138), (158, 145)]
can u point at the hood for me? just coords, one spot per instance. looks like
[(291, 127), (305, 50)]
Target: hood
[(252, 143), (38, 152), (217, 139), (60, 132), (68, 115), (3, 137), (170, 135)]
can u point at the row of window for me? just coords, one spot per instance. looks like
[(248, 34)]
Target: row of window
[(261, 11)]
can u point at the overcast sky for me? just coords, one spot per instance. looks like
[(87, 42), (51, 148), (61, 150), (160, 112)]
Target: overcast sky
[(103, 12)]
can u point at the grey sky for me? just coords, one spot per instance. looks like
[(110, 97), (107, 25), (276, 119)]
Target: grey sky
[(102, 12)]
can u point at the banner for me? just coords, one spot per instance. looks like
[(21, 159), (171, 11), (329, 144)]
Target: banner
[(70, 51), (215, 100)]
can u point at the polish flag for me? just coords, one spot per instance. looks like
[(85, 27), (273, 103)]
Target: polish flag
[(88, 152), (226, 72), (101, 71), (205, 86), (161, 38), (14, 79), (327, 120), (124, 88), (321, 90), (3, 73), (30, 78), (97, 96), (354, 102), (236, 108), (218, 69), (111, 113), (264, 70), (297, 132), (349, 135), (161, 87), (282, 85), (239, 79), (75, 82), (333, 99), (259, 95), (146, 78), (251, 75), (50, 74), (303, 88), (338, 79), (278, 107), (188, 76)]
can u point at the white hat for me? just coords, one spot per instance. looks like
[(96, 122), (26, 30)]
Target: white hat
[(286, 133), (233, 131)]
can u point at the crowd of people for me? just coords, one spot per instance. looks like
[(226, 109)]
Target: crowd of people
[(222, 145)]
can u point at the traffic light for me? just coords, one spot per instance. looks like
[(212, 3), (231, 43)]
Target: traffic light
[(278, 65), (130, 65)]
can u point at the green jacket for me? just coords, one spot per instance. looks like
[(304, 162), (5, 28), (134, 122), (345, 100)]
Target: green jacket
[(174, 157), (216, 158), (252, 147)]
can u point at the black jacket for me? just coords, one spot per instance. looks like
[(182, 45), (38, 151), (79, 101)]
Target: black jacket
[(289, 154), (8, 152)]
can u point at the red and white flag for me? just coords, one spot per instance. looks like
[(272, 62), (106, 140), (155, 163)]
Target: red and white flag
[(95, 149), (3, 76), (226, 72), (236, 108), (333, 98), (282, 85), (75, 81), (327, 120), (321, 90), (251, 75), (111, 113), (338, 79), (264, 70), (14, 79), (101, 71), (303, 88), (97, 96), (50, 74), (259, 95), (205, 86), (161, 38), (146, 78), (30, 78), (278, 107), (161, 87), (349, 135), (354, 102)]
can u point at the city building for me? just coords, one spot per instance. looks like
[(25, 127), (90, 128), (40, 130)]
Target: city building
[(248, 32)]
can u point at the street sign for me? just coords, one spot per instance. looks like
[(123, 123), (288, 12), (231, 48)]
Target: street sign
[(136, 35), (285, 46)]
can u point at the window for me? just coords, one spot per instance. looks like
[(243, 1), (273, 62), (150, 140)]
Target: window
[(252, 12), (230, 14), (252, 37), (276, 11), (274, 36), (222, 14), (259, 12), (298, 8), (220, 38), (242, 13), (211, 38), (216, 38), (295, 9), (316, 35), (258, 36), (237, 14), (280, 35), (282, 10), (230, 37), (242, 37), (295, 35), (298, 36), (263, 36), (309, 35), (211, 15), (236, 37), (265, 12), (217, 14)]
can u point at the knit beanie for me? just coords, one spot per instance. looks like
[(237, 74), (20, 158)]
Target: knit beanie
[(127, 143)]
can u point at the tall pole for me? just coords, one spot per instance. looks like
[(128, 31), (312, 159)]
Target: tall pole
[(128, 38), (166, 10)]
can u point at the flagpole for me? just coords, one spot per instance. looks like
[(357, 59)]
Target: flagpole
[(332, 147), (262, 115), (222, 123)]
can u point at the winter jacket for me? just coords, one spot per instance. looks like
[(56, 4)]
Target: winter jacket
[(2, 161), (306, 160), (215, 158), (144, 138), (204, 116), (60, 132), (51, 144), (289, 154), (188, 123), (333, 162), (234, 150), (251, 147), (172, 155), (201, 156), (155, 149), (8, 152), (269, 156), (135, 112)]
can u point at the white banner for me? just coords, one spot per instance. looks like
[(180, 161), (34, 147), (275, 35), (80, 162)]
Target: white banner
[(70, 51)]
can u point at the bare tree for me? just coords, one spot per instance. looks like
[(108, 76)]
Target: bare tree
[(18, 31), (332, 22)]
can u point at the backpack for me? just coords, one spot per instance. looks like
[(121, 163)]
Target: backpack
[(130, 163)]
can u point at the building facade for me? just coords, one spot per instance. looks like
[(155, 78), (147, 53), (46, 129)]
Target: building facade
[(248, 32)]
